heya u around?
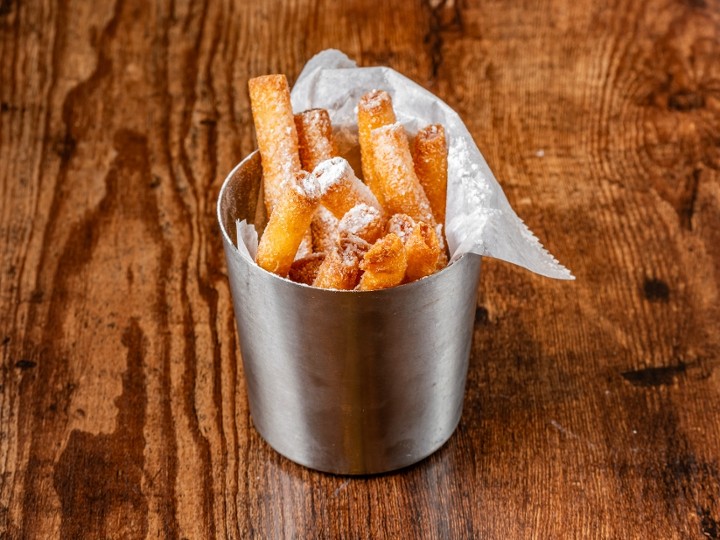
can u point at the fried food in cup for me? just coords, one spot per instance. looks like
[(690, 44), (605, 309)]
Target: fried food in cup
[(429, 153), (335, 215), (384, 264), (288, 224), (421, 246), (373, 111), (363, 221), (341, 189), (275, 132), (341, 267), (315, 142), (396, 176)]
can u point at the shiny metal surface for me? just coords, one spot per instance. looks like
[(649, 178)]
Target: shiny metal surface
[(342, 381)]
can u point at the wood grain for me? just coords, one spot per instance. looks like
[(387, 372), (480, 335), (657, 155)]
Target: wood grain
[(592, 408)]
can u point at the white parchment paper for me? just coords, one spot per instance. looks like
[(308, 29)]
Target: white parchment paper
[(479, 217)]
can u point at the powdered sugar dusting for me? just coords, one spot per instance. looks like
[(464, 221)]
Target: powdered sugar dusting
[(352, 248), (364, 221), (402, 225), (305, 184), (336, 173), (331, 171), (374, 99), (358, 217)]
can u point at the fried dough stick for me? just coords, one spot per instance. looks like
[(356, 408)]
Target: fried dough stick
[(341, 267), (384, 264), (276, 134), (316, 145), (374, 110), (287, 224), (359, 227), (364, 222), (429, 153), (315, 141), (421, 245), (396, 176), (342, 190)]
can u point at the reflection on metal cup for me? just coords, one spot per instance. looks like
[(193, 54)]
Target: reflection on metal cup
[(348, 382)]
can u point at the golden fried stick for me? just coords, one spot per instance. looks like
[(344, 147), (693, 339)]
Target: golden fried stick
[(396, 176), (421, 245), (363, 221), (305, 269), (423, 252), (341, 188), (315, 141), (287, 224), (374, 110), (276, 134), (429, 152), (316, 144), (384, 264), (324, 229), (341, 267)]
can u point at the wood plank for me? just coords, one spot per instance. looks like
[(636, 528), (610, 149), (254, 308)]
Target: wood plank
[(592, 408)]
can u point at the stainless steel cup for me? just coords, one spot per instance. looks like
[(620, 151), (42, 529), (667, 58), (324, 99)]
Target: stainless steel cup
[(342, 381)]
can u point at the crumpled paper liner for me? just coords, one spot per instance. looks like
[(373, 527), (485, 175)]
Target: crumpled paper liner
[(479, 218)]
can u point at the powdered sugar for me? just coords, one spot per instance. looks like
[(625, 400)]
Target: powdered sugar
[(307, 185), (402, 225), (331, 171), (359, 217), (363, 221), (340, 188), (374, 99)]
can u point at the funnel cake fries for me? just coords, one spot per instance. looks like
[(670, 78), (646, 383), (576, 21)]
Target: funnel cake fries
[(276, 135), (315, 144), (396, 176), (384, 264), (341, 267), (364, 222), (341, 188), (314, 137), (288, 224), (374, 110), (421, 245), (327, 228), (429, 152)]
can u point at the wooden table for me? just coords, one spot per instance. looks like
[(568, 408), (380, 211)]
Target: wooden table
[(592, 407)]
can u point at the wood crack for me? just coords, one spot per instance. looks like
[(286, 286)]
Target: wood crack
[(438, 25)]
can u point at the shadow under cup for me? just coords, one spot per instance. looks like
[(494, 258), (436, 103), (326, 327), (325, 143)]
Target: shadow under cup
[(348, 382)]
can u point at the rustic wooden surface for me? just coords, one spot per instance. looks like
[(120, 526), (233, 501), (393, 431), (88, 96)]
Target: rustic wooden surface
[(592, 408)]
